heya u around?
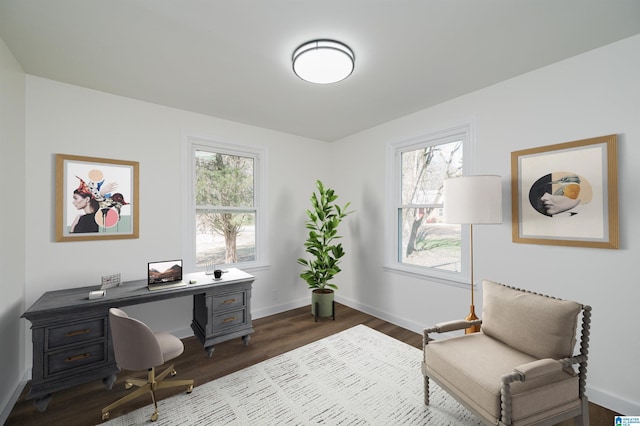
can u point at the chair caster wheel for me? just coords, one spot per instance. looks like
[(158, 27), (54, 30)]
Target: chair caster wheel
[(128, 385), (189, 388), (173, 372), (154, 417), (105, 416)]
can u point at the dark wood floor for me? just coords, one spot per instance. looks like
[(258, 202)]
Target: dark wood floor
[(273, 335)]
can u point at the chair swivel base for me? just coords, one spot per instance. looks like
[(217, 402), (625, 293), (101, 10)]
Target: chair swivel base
[(150, 385)]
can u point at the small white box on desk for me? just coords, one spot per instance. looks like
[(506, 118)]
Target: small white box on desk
[(97, 294)]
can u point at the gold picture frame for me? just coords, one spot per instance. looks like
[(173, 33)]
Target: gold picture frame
[(96, 198), (566, 194)]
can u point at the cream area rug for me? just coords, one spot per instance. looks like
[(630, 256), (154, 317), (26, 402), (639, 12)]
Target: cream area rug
[(356, 377)]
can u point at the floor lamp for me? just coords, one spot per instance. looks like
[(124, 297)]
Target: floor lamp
[(472, 200)]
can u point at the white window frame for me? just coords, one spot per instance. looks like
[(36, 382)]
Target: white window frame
[(193, 143), (394, 152)]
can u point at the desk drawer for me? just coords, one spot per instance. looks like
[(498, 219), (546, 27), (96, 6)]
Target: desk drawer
[(72, 358), (229, 301), (229, 319), (68, 334)]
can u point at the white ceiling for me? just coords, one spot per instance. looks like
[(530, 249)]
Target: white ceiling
[(232, 58)]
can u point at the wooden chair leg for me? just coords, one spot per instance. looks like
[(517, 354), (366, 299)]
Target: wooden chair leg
[(583, 419), (426, 390)]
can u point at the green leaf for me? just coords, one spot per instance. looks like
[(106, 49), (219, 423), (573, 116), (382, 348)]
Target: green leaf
[(324, 220)]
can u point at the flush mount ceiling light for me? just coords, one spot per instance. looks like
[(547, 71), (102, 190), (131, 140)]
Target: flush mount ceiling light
[(323, 61)]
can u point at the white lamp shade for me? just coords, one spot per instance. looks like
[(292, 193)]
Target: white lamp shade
[(473, 199)]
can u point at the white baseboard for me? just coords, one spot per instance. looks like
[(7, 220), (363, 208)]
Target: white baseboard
[(276, 309), (183, 333), (597, 396), (4, 415), (402, 322), (612, 402)]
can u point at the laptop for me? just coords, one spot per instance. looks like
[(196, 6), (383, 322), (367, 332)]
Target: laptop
[(165, 274)]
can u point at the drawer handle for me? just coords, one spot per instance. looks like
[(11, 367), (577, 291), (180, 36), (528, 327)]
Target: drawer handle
[(230, 319), (77, 332), (226, 302), (76, 357)]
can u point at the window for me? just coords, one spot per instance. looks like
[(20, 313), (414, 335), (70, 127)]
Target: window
[(225, 215), (421, 242)]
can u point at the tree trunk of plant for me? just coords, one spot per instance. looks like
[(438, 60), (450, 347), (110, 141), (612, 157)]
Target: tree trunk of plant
[(411, 244), (231, 255)]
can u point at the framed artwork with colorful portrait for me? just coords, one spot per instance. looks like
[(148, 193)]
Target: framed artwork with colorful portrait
[(96, 198), (566, 194)]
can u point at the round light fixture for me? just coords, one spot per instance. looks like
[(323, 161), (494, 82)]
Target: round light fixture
[(323, 61)]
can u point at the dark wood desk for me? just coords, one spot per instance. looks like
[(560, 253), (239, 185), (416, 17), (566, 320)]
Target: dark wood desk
[(71, 337)]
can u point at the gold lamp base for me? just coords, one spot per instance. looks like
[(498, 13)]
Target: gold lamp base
[(472, 317)]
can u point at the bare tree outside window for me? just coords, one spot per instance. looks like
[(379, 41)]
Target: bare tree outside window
[(225, 208), (425, 240)]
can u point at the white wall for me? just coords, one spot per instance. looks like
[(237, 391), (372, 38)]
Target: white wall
[(12, 229), (590, 95), (71, 120), (594, 94)]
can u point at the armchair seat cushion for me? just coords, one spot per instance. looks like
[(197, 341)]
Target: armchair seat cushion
[(475, 376)]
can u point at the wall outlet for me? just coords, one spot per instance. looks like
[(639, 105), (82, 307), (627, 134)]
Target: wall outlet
[(110, 281)]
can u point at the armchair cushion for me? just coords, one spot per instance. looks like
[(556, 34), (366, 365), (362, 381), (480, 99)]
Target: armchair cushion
[(538, 368), (542, 327), (474, 376), (447, 326)]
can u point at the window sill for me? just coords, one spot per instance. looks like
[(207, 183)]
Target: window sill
[(419, 273), (246, 267)]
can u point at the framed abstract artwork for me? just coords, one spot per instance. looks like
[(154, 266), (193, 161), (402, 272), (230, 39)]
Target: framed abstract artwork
[(566, 194), (96, 198)]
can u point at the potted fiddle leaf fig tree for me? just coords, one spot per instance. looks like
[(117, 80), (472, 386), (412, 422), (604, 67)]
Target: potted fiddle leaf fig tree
[(325, 252)]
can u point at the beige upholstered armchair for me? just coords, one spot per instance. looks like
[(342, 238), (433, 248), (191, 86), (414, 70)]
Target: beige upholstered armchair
[(522, 368)]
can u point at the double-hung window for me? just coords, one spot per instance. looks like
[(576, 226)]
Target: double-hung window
[(226, 215), (421, 243)]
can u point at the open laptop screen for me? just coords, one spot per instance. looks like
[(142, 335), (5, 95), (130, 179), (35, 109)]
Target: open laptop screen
[(164, 272)]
